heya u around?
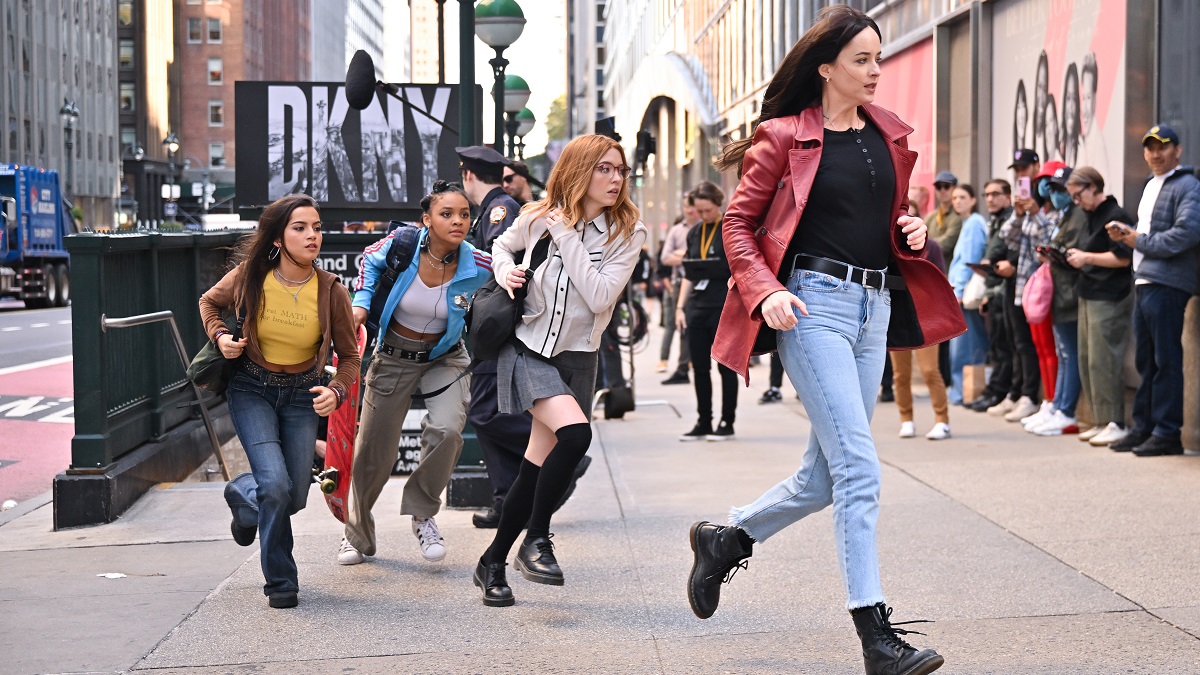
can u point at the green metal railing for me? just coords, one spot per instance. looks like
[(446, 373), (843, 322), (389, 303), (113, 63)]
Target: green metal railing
[(129, 385)]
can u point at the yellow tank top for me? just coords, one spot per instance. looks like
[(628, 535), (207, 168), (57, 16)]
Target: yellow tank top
[(289, 330)]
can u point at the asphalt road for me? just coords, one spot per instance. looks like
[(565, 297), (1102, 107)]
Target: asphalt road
[(28, 336)]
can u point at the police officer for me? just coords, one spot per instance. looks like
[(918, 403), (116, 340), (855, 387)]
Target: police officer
[(502, 438)]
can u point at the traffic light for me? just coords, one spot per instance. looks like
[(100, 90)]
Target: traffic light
[(646, 146), (608, 127)]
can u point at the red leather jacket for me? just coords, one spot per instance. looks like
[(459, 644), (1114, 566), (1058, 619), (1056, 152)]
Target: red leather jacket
[(777, 174)]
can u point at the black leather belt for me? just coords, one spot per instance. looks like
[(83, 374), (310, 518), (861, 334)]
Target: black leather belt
[(275, 379), (419, 357), (859, 275)]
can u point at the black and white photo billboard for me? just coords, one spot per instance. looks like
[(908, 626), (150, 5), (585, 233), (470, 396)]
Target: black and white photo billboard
[(304, 137)]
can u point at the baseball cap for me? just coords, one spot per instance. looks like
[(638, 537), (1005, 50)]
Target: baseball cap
[(1049, 168), (1060, 176), (945, 177), (1161, 133), (1024, 157)]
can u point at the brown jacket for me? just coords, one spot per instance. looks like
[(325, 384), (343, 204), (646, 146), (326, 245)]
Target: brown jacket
[(763, 214), (333, 310)]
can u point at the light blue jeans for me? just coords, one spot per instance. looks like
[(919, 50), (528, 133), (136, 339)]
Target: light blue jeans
[(835, 358), (1068, 385), (970, 348)]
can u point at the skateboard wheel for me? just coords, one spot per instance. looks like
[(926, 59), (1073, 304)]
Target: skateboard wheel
[(328, 486)]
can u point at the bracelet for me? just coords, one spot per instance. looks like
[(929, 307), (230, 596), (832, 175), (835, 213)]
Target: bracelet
[(337, 391), (217, 337)]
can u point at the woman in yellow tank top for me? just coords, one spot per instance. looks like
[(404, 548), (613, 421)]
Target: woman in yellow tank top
[(292, 313)]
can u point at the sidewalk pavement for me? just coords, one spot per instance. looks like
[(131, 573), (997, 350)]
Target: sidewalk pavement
[(1033, 555)]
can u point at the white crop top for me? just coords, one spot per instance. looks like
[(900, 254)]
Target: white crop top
[(422, 309)]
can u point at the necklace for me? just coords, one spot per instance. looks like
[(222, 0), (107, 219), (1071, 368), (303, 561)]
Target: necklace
[(299, 285), (849, 127), (433, 261)]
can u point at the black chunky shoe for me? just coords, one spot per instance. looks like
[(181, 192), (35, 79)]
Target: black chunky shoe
[(1130, 442), (536, 562), (719, 553), (283, 599), (884, 651), (488, 519), (491, 580)]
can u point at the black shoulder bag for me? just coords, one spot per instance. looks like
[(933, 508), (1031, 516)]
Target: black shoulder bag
[(492, 317)]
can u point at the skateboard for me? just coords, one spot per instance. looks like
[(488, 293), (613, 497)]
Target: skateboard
[(339, 445)]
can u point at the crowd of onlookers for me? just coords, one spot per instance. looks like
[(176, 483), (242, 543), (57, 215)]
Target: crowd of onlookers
[(1055, 279)]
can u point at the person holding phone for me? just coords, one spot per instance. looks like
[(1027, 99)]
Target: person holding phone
[(997, 194), (1165, 277), (1105, 305)]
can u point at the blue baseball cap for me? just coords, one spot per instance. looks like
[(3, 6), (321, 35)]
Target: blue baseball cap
[(1161, 133)]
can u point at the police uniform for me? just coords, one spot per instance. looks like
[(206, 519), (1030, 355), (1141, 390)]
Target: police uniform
[(502, 438)]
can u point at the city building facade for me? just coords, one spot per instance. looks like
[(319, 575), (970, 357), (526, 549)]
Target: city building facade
[(52, 52), (222, 42), (364, 30), (329, 53)]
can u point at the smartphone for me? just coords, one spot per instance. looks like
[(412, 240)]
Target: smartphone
[(1023, 191), (1117, 226)]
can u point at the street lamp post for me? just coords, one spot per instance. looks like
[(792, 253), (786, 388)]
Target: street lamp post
[(525, 121), (171, 145), (515, 96), (137, 153), (499, 23), (70, 115)]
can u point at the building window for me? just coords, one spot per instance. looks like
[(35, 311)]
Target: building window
[(125, 54), (216, 71), (193, 30), (216, 155), (124, 12), (214, 30), (216, 113), (127, 96), (128, 137)]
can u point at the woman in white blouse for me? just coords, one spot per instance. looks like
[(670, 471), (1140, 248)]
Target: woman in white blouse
[(550, 368)]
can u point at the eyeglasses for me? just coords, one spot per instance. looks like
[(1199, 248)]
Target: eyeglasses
[(994, 194), (942, 186), (1078, 194), (606, 169)]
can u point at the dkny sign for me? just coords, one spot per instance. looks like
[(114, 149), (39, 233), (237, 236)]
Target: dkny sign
[(304, 137)]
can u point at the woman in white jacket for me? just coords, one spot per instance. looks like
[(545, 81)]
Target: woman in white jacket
[(550, 368)]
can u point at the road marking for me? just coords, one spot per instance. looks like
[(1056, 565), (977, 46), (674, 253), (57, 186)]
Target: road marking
[(35, 364), (64, 323), (38, 325), (9, 329)]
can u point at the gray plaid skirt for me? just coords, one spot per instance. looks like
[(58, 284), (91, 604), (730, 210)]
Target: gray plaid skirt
[(523, 378)]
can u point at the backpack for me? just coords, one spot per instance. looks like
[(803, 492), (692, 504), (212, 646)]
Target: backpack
[(401, 251), (1038, 295)]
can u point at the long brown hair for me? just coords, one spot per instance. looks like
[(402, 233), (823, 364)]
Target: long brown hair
[(797, 85), (254, 251), (568, 184)]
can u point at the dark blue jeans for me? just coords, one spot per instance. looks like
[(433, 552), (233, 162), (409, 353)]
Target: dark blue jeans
[(1158, 344), (278, 428)]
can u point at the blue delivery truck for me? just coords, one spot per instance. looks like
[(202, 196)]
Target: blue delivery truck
[(34, 265)]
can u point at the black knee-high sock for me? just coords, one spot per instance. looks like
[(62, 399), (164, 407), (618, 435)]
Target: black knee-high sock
[(557, 472), (518, 504)]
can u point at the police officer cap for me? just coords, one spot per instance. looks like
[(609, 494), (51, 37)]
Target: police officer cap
[(482, 159)]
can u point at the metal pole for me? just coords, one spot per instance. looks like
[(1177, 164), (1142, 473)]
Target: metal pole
[(441, 41), (169, 317), (511, 127), (466, 72), (498, 65)]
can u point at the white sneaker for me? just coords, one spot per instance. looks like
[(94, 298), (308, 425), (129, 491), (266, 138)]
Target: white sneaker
[(939, 432), (1001, 409), (1112, 433), (907, 430), (1043, 414), (433, 546), (1058, 424), (1023, 408), (348, 555), (1090, 433)]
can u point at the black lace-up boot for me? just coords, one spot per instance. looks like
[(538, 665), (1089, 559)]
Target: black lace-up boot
[(490, 579), (884, 651), (536, 562), (719, 552)]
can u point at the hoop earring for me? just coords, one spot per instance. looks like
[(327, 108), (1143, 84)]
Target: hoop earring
[(273, 255)]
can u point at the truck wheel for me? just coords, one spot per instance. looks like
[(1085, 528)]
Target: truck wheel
[(63, 275), (50, 283)]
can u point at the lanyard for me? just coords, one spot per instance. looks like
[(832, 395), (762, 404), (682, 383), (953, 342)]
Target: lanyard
[(706, 243)]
